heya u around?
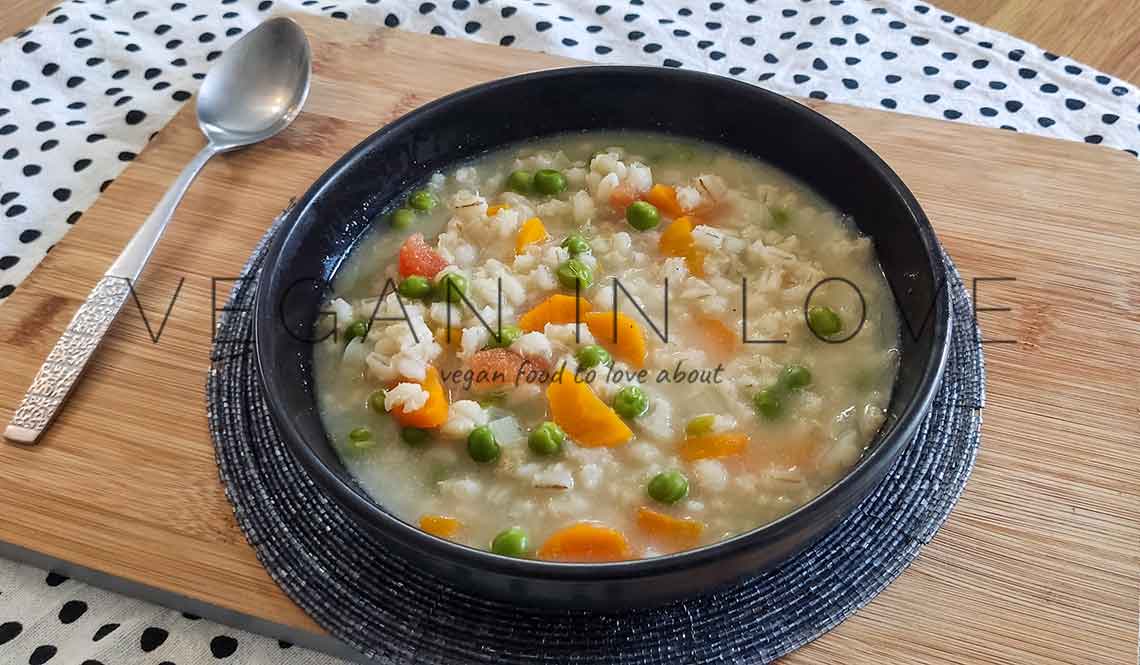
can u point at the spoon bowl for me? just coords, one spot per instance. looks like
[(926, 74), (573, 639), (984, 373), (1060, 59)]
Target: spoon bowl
[(257, 87)]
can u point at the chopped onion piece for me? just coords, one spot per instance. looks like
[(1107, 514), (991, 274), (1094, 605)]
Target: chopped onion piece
[(507, 431)]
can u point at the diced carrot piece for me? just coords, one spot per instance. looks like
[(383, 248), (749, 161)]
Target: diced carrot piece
[(418, 258), (531, 231), (629, 346), (718, 338), (495, 368), (677, 238), (668, 530), (623, 195), (664, 198), (558, 308), (713, 446), (444, 339), (494, 209), (695, 262), (440, 525), (586, 542), (583, 415), (434, 412)]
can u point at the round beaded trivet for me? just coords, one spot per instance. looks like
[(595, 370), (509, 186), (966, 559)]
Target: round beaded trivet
[(388, 609)]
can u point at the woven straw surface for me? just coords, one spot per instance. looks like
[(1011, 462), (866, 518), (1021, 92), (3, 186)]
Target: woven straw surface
[(353, 587)]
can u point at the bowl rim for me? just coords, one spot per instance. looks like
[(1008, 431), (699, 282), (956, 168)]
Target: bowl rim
[(375, 517)]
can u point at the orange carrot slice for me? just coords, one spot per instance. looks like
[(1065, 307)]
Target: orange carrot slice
[(719, 340), (434, 412), (586, 542), (584, 416), (713, 446), (664, 198), (668, 530), (530, 232), (494, 209), (677, 240), (695, 262), (629, 346), (440, 525), (556, 309)]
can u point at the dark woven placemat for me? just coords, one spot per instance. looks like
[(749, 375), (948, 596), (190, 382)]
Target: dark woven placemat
[(346, 580)]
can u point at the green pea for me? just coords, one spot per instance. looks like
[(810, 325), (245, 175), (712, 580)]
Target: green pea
[(482, 446), (824, 321), (669, 487), (549, 182), (402, 219), (376, 401), (507, 336), (700, 425), (546, 439), (573, 271), (511, 542), (458, 287), (642, 215), (576, 245), (780, 215), (354, 330), (360, 439), (592, 355), (767, 403), (794, 377), (520, 181), (631, 402), (414, 436), (416, 286), (422, 200)]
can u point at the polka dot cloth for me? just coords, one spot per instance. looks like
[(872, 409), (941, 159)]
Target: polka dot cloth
[(48, 618), (83, 91)]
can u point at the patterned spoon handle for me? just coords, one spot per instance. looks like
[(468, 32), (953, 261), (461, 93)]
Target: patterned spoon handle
[(64, 365)]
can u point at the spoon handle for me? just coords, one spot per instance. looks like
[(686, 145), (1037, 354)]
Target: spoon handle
[(64, 366), (134, 256)]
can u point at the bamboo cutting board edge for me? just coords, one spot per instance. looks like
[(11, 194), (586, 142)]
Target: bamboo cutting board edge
[(192, 529), (309, 639)]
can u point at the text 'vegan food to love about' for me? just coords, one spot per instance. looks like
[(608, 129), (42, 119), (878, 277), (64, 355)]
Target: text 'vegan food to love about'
[(605, 346)]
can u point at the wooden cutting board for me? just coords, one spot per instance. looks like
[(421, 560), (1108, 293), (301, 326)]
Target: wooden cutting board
[(1038, 563)]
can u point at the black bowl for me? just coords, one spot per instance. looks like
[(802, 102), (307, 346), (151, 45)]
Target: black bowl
[(336, 211)]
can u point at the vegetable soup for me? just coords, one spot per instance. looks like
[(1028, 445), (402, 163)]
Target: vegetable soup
[(605, 346)]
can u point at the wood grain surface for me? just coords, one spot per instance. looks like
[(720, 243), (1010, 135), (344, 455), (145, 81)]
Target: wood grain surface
[(1102, 33), (1038, 563)]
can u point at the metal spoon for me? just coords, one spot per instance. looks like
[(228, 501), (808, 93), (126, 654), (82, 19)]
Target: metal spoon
[(255, 90)]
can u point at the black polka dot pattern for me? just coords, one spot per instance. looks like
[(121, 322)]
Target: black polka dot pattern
[(88, 88), (48, 619), (83, 91)]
